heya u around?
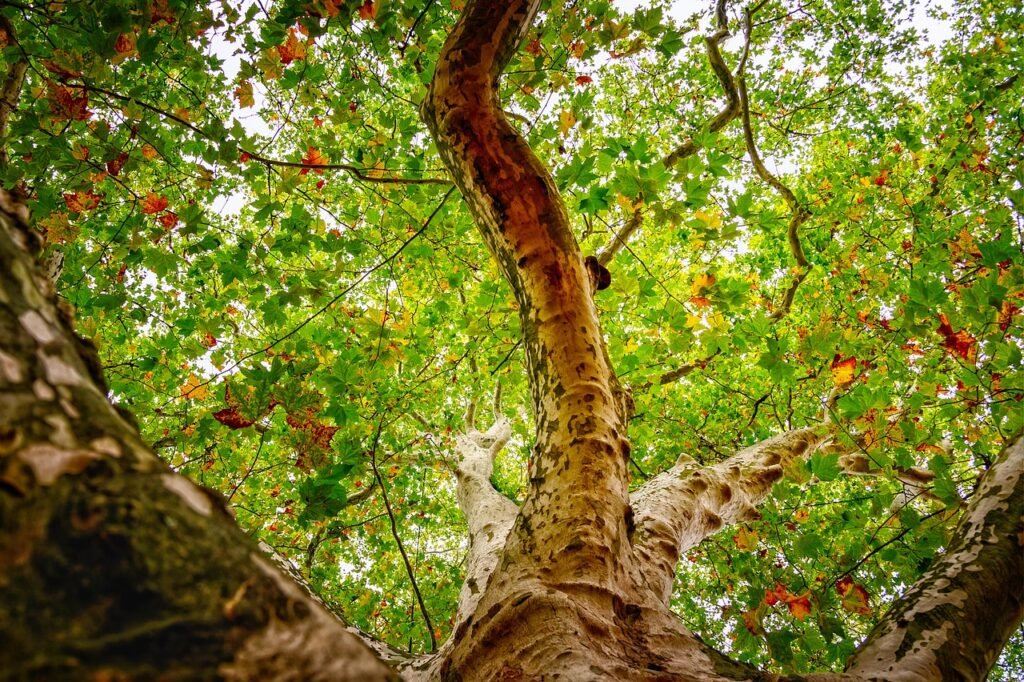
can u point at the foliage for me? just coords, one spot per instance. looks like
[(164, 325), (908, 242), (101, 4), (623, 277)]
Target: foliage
[(259, 237)]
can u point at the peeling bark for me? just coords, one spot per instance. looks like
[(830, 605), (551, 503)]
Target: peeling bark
[(677, 509), (111, 565), (952, 624)]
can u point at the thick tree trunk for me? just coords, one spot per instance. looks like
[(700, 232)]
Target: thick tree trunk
[(111, 565)]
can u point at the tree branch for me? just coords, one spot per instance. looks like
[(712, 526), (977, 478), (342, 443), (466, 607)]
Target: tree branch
[(798, 213), (488, 513), (398, 540), (950, 623), (678, 508)]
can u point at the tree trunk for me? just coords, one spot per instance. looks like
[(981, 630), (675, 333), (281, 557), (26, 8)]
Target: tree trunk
[(111, 565)]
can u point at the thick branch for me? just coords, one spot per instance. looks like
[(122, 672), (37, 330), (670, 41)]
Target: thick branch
[(579, 470), (677, 509), (489, 514), (952, 623)]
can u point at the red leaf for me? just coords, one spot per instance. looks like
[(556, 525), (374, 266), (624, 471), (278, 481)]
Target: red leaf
[(533, 47), (367, 10), (168, 220), (232, 419), (161, 12), (125, 44), (115, 165), (584, 80), (65, 105), (292, 49), (957, 342), (153, 203)]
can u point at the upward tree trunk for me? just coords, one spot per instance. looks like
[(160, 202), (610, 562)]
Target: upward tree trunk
[(111, 565)]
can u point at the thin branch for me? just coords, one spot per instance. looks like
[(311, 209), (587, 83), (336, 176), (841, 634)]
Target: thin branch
[(356, 172), (294, 330), (798, 212), (398, 539)]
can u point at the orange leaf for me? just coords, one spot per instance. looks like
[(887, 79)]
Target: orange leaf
[(701, 301), (746, 539), (292, 49), (194, 388), (843, 371), (313, 157), (208, 340), (159, 11), (153, 203), (168, 220), (65, 105), (367, 10), (84, 200), (800, 607), (149, 152), (232, 418), (957, 342)]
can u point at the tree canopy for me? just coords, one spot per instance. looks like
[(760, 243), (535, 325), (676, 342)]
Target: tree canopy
[(800, 215)]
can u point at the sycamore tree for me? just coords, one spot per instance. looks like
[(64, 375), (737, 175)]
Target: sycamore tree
[(508, 339)]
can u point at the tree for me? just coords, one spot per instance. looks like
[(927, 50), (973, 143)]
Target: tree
[(767, 404)]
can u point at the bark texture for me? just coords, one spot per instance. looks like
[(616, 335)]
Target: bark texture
[(111, 565)]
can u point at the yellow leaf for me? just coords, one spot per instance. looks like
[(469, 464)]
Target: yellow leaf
[(243, 93), (746, 539), (194, 388), (566, 120), (843, 371), (712, 220), (701, 282)]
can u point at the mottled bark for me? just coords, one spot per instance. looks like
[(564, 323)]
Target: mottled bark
[(111, 565), (575, 510), (677, 509), (952, 624)]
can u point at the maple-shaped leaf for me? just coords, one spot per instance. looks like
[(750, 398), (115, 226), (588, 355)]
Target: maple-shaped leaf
[(232, 418), (701, 301), (566, 120), (68, 104), (584, 80), (194, 388), (367, 11), (800, 607), (208, 340), (83, 200), (80, 152), (57, 229), (115, 165), (244, 94), (313, 157), (746, 539), (1006, 314), (701, 282), (292, 49), (149, 152), (843, 370), (153, 203), (855, 598), (533, 47), (960, 342), (168, 220)]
